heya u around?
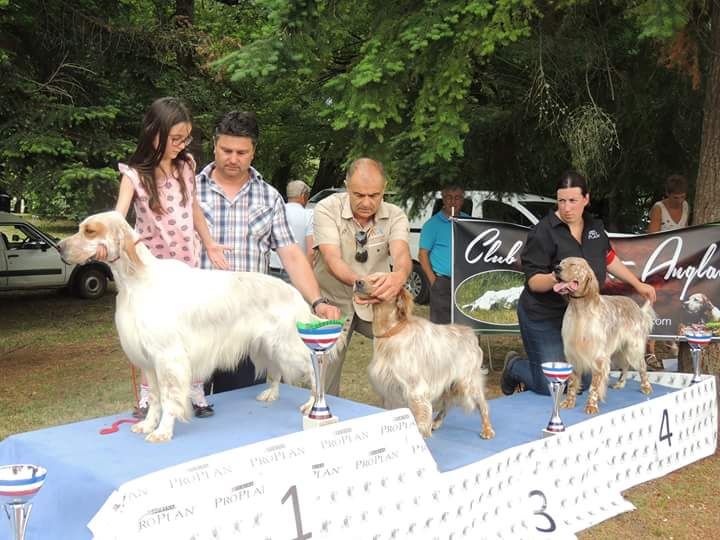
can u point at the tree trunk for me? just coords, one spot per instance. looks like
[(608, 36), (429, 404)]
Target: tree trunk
[(281, 173), (330, 173), (185, 9), (184, 18), (707, 188)]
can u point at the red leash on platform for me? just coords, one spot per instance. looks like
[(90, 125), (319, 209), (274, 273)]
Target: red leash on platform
[(116, 425)]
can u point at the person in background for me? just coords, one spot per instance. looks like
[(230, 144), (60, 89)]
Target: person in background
[(570, 231), (670, 213), (435, 253), (159, 181), (247, 215), (299, 217), (357, 235), (673, 211)]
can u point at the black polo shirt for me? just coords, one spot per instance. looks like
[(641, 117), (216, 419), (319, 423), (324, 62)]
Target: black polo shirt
[(548, 243)]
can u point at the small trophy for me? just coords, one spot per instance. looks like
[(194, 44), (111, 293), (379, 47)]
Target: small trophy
[(698, 336), (18, 485), (320, 337), (557, 374)]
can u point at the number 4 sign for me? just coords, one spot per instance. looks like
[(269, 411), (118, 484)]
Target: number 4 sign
[(664, 442)]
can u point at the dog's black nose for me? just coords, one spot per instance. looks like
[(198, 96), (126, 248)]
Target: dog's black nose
[(557, 270)]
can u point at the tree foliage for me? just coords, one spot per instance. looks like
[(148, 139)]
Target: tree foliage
[(492, 94)]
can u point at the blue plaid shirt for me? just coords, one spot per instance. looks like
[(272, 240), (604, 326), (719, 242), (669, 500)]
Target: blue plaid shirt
[(252, 224)]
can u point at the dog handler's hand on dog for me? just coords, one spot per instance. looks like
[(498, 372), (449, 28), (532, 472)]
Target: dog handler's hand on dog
[(214, 250), (647, 291), (328, 311), (542, 282), (620, 271), (386, 286), (216, 255), (101, 253)]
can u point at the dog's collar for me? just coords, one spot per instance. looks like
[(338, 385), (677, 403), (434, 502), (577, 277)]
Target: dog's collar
[(394, 330), (118, 257)]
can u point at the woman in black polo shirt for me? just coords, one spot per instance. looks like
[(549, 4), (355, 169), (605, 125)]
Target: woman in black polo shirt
[(570, 231)]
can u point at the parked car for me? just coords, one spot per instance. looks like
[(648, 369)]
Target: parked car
[(29, 259), (519, 208)]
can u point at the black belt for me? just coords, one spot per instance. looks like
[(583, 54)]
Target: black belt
[(441, 276)]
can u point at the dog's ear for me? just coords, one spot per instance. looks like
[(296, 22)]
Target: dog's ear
[(404, 303), (592, 288)]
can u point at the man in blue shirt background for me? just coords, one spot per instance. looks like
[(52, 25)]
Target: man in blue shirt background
[(435, 253)]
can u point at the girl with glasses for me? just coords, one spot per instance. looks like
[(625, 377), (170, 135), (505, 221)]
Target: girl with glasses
[(159, 181)]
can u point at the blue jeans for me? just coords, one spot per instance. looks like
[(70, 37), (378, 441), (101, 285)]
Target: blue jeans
[(543, 343)]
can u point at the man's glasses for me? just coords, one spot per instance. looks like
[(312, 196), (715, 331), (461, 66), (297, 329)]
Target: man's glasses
[(179, 141), (361, 254)]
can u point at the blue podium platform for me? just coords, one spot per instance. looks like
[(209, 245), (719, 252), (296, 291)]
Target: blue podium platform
[(84, 467)]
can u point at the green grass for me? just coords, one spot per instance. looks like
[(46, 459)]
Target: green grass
[(476, 286)]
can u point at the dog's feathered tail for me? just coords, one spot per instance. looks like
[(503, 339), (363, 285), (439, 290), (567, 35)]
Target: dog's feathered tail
[(649, 315)]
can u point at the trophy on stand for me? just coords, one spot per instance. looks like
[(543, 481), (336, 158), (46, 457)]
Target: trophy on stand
[(698, 336), (19, 484), (557, 374), (320, 337)]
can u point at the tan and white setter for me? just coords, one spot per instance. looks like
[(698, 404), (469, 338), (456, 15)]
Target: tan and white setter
[(424, 366), (179, 324), (599, 331)]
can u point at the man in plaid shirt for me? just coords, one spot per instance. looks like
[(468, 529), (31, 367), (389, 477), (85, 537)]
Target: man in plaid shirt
[(247, 216)]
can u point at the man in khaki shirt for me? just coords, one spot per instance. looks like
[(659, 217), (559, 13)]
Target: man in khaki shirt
[(357, 235)]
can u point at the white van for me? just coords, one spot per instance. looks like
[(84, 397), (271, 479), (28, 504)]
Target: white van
[(518, 208)]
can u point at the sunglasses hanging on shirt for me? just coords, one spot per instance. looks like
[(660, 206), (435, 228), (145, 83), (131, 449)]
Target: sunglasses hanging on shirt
[(361, 254)]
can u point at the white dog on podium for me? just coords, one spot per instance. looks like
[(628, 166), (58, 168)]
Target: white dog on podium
[(179, 324), (422, 365)]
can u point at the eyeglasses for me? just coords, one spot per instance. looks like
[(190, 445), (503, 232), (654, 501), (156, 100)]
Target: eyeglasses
[(361, 254), (179, 141)]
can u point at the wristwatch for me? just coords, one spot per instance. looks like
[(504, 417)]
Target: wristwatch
[(316, 303)]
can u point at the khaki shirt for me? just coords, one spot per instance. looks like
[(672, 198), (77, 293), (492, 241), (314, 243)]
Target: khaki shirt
[(333, 224)]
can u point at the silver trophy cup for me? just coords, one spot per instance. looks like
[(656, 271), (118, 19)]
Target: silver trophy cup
[(557, 374), (18, 485), (320, 338), (320, 409), (698, 337)]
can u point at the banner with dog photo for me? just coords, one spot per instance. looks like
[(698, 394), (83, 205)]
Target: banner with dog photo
[(683, 266)]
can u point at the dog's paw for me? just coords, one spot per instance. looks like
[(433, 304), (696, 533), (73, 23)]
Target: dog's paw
[(591, 408), (270, 394), (158, 436), (646, 389), (425, 430), (618, 385), (487, 433), (567, 403), (437, 423), (143, 427), (307, 406)]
